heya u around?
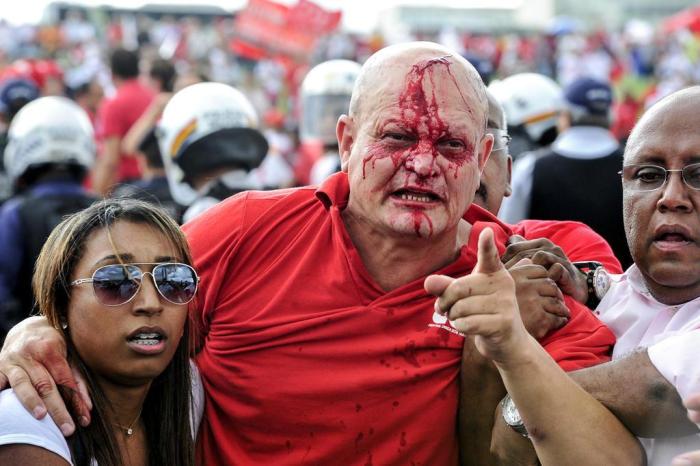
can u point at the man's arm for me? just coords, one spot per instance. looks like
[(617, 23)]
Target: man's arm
[(562, 419), (632, 389), (106, 166), (639, 395), (480, 391), (33, 362), (148, 119)]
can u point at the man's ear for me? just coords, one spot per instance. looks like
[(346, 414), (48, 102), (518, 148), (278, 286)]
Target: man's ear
[(345, 132), (509, 188), (485, 147)]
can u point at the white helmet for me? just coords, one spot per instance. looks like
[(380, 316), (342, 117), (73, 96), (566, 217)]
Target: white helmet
[(531, 100), (49, 130), (207, 127), (325, 95)]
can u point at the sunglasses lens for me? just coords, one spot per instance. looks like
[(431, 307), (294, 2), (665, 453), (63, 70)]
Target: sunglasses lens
[(116, 284), (176, 282)]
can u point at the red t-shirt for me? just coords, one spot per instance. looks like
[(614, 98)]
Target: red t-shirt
[(305, 359), (116, 116)]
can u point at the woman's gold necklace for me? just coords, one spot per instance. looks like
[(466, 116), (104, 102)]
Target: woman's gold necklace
[(128, 431)]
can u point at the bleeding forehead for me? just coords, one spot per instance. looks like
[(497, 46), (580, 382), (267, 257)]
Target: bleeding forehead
[(429, 85)]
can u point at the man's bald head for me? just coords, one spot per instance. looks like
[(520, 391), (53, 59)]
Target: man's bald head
[(400, 58), (672, 110)]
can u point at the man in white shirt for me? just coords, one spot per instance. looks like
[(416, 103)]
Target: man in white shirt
[(654, 307)]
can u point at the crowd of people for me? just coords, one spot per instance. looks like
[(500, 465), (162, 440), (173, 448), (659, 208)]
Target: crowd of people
[(488, 266)]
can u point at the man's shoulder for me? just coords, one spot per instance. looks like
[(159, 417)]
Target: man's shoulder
[(532, 229), (255, 200), (252, 206)]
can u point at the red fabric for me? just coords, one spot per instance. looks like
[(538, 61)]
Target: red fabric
[(305, 359), (584, 341), (115, 117)]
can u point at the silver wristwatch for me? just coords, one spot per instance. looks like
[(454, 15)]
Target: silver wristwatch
[(512, 416)]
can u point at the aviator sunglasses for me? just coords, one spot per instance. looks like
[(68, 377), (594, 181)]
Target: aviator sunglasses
[(117, 284)]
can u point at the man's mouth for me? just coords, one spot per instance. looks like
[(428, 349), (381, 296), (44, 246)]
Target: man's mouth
[(421, 197), (672, 236)]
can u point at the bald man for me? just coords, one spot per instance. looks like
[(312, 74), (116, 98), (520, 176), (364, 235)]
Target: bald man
[(319, 343), (653, 308)]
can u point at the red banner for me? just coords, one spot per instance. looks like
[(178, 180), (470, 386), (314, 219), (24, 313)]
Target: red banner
[(266, 28)]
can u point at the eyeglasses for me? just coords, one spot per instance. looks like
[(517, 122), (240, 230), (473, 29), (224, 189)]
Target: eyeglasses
[(501, 139), (117, 284), (643, 178)]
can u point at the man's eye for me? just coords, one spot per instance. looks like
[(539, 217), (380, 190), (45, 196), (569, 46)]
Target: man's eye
[(398, 137), (452, 144), (649, 175)]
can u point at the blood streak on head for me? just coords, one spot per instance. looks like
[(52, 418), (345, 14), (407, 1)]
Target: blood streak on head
[(419, 112)]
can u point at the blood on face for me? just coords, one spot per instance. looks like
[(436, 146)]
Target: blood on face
[(419, 114), (421, 134)]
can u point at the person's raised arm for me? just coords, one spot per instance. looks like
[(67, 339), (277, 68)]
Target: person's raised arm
[(563, 420), (33, 361)]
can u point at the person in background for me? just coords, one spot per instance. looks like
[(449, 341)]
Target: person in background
[(49, 152), (210, 142), (576, 177), (116, 115), (533, 103), (15, 93), (141, 140), (89, 96), (325, 95)]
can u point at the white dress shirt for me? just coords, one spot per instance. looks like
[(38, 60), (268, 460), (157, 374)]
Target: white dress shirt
[(672, 336)]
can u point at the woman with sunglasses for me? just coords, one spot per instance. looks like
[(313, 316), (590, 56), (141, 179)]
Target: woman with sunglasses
[(116, 280)]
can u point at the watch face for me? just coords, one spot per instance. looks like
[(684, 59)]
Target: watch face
[(511, 414), (601, 282)]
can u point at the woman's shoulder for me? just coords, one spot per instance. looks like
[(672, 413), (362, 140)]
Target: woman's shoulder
[(18, 426)]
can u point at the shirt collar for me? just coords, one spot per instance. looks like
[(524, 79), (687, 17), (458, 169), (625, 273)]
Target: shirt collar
[(585, 142), (334, 191)]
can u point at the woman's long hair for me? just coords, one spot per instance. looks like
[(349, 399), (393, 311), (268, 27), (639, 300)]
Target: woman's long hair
[(167, 408)]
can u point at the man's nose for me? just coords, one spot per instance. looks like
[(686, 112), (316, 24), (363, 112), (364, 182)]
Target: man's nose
[(675, 194), (422, 160)]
